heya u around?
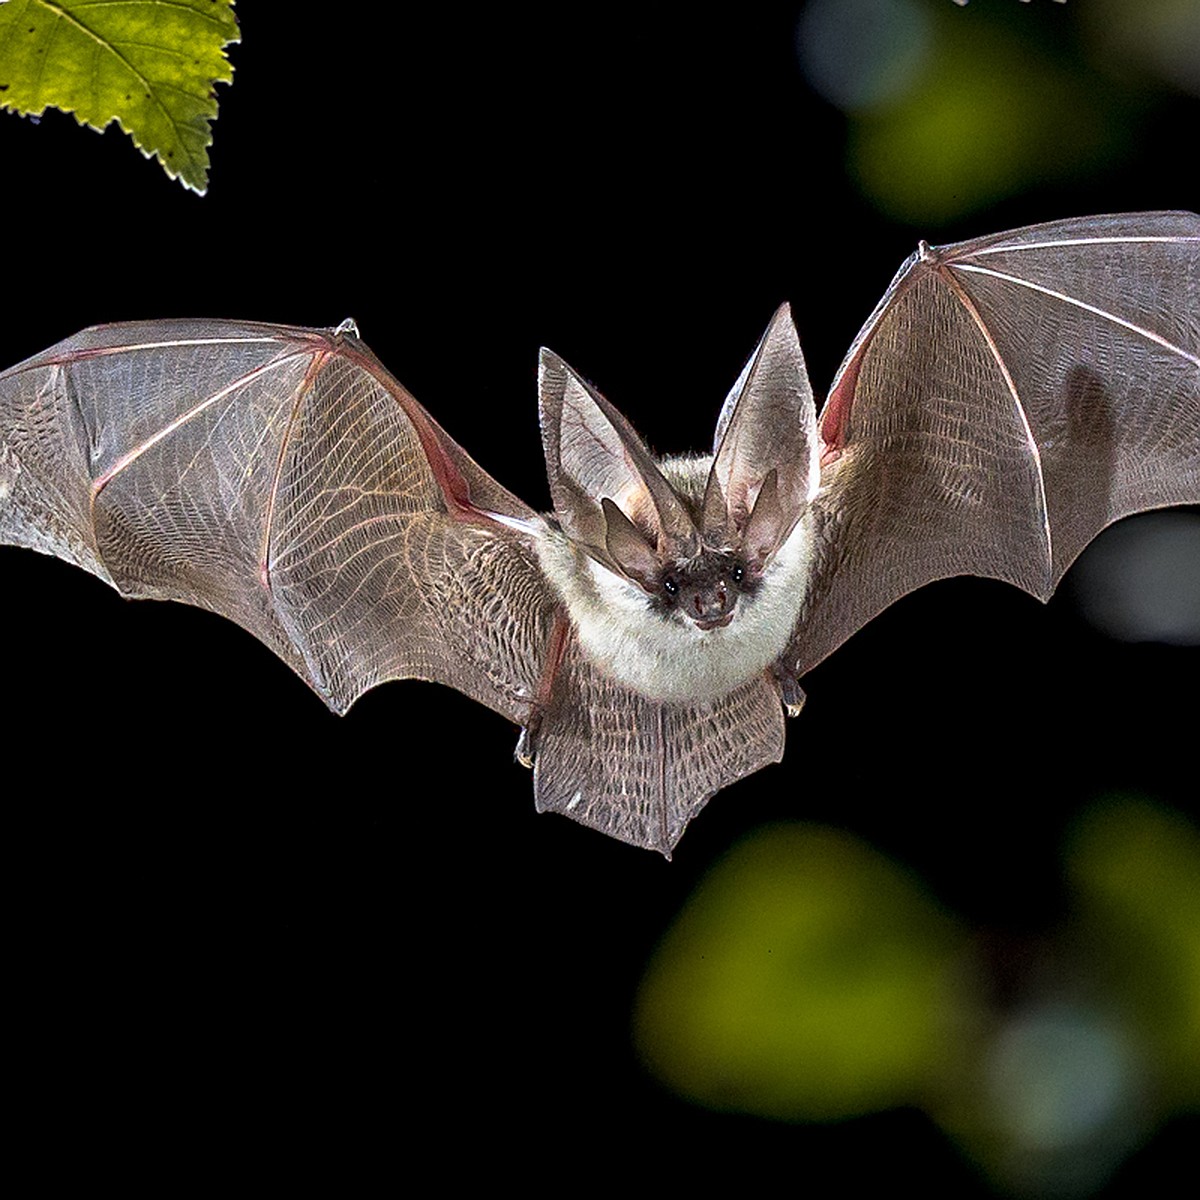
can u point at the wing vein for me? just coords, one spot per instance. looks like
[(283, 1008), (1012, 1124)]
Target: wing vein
[(131, 456), (1055, 243), (1149, 334), (75, 355), (264, 554), (1031, 442)]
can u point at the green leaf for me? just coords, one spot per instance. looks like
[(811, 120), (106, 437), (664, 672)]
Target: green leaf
[(149, 65), (990, 115), (808, 978), (1135, 869)]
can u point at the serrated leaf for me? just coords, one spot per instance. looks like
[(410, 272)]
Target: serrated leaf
[(149, 65)]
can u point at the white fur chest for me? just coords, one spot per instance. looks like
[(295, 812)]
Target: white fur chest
[(670, 658)]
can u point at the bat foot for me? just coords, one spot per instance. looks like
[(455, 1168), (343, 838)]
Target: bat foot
[(525, 751), (790, 692)]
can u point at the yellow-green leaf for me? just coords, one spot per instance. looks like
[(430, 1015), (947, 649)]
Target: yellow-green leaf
[(808, 978), (149, 65), (1135, 868)]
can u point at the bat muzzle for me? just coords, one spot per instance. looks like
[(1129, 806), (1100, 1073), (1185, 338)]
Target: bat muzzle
[(710, 606)]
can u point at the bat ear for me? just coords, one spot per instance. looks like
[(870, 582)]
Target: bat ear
[(593, 454), (628, 548), (768, 426)]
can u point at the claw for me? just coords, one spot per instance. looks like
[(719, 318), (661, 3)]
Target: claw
[(790, 691), (524, 753)]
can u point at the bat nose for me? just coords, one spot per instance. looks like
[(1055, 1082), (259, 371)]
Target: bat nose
[(712, 603)]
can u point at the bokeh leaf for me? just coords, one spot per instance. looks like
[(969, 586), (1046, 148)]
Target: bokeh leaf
[(1135, 869), (809, 978), (992, 115), (149, 66)]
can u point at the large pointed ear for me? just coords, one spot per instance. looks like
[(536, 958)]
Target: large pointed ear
[(592, 455), (767, 427)]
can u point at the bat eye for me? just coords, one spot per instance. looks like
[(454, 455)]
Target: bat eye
[(737, 573), (670, 586)]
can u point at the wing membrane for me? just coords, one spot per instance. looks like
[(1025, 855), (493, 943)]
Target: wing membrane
[(282, 478), (639, 769), (1008, 399)]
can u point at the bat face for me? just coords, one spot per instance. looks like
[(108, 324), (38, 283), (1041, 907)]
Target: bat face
[(725, 622), (683, 577), (704, 590), (1008, 399)]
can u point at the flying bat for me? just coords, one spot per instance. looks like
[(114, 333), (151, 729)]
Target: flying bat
[(1008, 398)]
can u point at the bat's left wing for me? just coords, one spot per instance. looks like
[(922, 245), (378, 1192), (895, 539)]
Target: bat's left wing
[(1008, 399), (282, 478)]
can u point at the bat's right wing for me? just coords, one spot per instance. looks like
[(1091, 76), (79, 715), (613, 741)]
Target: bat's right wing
[(1008, 399), (282, 478)]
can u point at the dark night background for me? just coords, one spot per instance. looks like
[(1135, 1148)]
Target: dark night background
[(241, 926)]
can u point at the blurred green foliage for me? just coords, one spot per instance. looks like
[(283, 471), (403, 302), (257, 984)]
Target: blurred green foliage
[(993, 116), (958, 108), (151, 67), (1135, 872), (809, 978)]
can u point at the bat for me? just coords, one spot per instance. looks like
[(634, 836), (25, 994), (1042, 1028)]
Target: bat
[(1008, 398)]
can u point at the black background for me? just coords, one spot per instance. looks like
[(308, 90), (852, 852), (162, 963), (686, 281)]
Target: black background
[(244, 927)]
